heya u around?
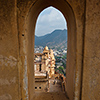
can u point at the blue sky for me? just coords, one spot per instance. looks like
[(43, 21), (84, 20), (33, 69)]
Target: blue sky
[(49, 20)]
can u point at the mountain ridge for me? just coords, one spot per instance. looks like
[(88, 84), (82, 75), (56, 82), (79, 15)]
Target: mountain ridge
[(54, 39)]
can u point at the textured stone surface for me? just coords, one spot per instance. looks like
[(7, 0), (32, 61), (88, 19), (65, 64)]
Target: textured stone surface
[(17, 27), (9, 78), (91, 72)]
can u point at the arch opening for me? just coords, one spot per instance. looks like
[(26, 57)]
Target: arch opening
[(30, 23), (53, 47)]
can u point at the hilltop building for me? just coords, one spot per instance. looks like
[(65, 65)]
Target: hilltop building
[(44, 64)]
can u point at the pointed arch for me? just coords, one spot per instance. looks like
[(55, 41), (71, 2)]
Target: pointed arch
[(29, 31)]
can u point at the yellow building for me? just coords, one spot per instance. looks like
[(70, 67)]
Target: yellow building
[(45, 62)]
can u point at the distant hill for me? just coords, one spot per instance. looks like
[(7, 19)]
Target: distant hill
[(56, 39)]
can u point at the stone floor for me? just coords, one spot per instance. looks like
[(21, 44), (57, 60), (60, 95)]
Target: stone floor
[(55, 92)]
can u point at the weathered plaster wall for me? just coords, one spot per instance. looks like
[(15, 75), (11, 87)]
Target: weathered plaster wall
[(26, 48), (78, 7), (9, 78), (91, 72), (25, 40), (16, 48)]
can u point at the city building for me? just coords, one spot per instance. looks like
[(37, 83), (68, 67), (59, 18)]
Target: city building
[(44, 64)]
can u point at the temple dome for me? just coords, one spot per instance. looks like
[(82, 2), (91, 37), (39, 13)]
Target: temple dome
[(53, 58), (46, 48), (51, 50)]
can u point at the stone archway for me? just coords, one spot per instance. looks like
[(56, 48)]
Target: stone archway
[(16, 41), (26, 35)]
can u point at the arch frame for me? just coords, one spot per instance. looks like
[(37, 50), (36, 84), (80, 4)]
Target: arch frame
[(27, 49)]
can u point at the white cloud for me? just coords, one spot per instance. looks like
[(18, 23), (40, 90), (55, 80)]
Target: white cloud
[(49, 20)]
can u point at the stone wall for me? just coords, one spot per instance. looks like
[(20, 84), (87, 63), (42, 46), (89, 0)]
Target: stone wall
[(91, 67), (17, 25), (9, 51)]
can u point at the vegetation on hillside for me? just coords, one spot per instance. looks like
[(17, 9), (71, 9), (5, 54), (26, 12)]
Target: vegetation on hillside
[(57, 39), (61, 64)]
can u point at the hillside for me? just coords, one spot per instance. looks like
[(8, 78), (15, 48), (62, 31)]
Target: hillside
[(58, 38)]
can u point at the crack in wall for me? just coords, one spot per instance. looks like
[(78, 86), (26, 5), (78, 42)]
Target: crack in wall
[(25, 80)]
